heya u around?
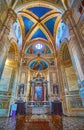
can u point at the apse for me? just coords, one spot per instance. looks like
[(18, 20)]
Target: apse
[(38, 65)]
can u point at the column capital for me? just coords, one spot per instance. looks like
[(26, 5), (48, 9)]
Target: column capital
[(11, 17), (12, 14), (66, 14), (66, 17)]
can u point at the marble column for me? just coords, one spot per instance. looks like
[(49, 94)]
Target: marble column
[(4, 40), (44, 92), (59, 77), (74, 46)]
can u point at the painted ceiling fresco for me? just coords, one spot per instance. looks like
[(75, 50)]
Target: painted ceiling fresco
[(44, 49), (38, 22), (38, 65), (39, 11)]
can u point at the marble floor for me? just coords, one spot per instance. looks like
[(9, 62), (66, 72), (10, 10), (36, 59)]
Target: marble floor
[(69, 123)]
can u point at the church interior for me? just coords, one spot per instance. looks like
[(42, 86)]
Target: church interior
[(41, 64)]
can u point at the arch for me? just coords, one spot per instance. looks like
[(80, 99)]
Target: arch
[(67, 3), (36, 58), (65, 55), (68, 69), (48, 4), (46, 49), (38, 65), (13, 50), (35, 41), (40, 23)]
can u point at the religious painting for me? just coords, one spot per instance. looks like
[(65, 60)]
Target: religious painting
[(38, 93), (38, 49), (38, 65), (71, 78)]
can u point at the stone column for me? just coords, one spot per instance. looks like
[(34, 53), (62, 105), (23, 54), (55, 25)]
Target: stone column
[(15, 3), (11, 17), (69, 20), (4, 41), (59, 77), (75, 48)]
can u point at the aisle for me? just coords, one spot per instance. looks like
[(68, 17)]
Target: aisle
[(39, 122)]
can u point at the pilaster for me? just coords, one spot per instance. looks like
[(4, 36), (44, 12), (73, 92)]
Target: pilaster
[(75, 46), (11, 17), (73, 30)]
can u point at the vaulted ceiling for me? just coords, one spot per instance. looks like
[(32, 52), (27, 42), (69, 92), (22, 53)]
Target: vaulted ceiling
[(39, 23)]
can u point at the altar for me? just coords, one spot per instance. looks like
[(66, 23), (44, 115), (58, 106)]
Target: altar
[(38, 108), (38, 97)]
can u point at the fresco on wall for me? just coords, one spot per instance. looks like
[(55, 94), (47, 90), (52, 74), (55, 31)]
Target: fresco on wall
[(38, 65), (76, 102), (71, 78), (33, 50)]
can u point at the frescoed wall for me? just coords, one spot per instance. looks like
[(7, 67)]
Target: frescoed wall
[(34, 50), (38, 65), (71, 78)]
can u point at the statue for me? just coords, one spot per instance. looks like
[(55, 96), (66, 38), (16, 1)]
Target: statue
[(21, 89), (55, 89)]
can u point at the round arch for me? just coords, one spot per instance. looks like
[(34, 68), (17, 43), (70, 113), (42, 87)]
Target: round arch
[(48, 4), (36, 58), (65, 55), (13, 49)]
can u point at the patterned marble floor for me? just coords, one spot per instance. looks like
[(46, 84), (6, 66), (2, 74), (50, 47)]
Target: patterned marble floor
[(69, 123)]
